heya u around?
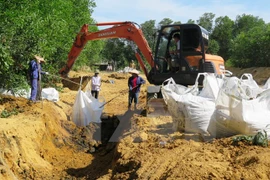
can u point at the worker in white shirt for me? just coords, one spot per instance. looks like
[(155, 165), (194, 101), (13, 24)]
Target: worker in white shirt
[(95, 84)]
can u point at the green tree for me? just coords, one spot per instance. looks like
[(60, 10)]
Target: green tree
[(213, 47), (177, 22), (165, 21), (206, 21), (222, 33), (149, 31), (38, 27), (119, 51), (190, 21), (251, 48), (245, 22)]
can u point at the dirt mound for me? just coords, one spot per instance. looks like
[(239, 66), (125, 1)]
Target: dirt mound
[(40, 141), (118, 76), (260, 74), (166, 154)]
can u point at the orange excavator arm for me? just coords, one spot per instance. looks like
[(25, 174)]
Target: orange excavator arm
[(127, 30)]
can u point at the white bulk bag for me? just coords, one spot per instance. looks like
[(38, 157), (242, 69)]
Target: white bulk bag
[(170, 92), (50, 94), (86, 109), (191, 111), (267, 84), (249, 85), (240, 109)]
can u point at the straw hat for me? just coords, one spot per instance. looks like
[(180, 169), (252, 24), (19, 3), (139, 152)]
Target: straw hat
[(134, 71), (97, 71), (40, 59)]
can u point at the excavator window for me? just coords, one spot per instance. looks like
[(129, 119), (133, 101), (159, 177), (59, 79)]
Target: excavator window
[(193, 43)]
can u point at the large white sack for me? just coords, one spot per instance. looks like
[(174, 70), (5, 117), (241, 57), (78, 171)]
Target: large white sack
[(19, 93), (191, 110), (170, 92), (241, 108), (249, 85), (50, 94), (86, 110), (267, 84), (197, 112)]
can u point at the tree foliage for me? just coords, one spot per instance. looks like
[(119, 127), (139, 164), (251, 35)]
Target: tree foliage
[(251, 48), (206, 21), (119, 51), (149, 31), (222, 33), (244, 23), (39, 27)]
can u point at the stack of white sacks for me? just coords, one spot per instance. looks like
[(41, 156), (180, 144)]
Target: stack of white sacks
[(223, 107)]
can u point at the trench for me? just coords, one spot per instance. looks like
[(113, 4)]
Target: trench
[(104, 153)]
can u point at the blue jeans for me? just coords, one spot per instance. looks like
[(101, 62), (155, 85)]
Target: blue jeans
[(133, 96), (34, 89)]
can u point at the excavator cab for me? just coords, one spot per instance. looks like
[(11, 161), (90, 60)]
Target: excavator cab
[(182, 64), (190, 58)]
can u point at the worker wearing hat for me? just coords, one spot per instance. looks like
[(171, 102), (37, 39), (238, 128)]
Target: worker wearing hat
[(35, 72), (95, 84), (134, 84)]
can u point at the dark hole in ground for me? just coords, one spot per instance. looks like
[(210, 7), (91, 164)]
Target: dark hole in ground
[(103, 154)]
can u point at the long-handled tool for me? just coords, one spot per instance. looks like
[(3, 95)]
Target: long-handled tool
[(125, 91)]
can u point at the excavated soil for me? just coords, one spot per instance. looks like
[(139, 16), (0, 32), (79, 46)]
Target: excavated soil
[(40, 141)]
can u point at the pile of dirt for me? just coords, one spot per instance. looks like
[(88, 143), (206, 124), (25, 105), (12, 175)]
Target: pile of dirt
[(118, 76), (40, 141), (260, 74)]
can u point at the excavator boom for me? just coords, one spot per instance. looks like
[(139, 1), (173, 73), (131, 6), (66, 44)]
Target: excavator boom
[(127, 30)]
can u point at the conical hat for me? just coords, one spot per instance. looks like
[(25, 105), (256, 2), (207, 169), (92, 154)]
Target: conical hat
[(134, 71), (41, 59)]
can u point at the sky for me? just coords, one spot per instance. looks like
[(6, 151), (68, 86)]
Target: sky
[(140, 11)]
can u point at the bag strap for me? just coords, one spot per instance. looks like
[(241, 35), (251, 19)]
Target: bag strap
[(247, 75)]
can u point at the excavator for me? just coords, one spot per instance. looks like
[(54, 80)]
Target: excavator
[(183, 64)]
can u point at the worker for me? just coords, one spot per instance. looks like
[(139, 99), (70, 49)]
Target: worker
[(134, 85), (175, 54), (176, 38), (95, 84), (132, 65), (35, 72)]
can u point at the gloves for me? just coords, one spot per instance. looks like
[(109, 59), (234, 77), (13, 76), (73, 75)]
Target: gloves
[(46, 73)]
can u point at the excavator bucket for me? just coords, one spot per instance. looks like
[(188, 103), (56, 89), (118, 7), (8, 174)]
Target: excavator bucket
[(155, 105), (74, 83)]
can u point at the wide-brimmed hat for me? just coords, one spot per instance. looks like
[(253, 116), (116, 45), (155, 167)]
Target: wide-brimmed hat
[(41, 59), (97, 71), (134, 71)]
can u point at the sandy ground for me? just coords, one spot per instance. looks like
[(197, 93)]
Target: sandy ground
[(40, 141)]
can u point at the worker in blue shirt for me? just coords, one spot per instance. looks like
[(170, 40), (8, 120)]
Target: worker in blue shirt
[(35, 72), (134, 84)]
